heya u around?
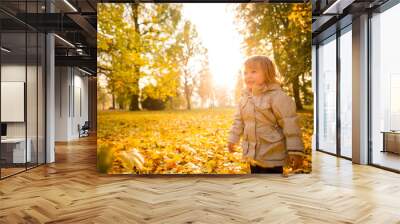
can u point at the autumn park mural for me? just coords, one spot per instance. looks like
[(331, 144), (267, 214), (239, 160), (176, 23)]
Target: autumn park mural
[(173, 87)]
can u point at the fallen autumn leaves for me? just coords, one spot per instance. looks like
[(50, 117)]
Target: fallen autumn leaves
[(174, 142)]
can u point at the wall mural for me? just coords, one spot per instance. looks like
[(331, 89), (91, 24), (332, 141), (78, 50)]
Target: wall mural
[(204, 88)]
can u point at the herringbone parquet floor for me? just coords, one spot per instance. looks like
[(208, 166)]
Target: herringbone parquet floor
[(71, 191)]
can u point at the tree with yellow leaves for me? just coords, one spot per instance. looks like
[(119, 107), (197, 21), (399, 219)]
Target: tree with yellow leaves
[(190, 50), (283, 30), (131, 47), (206, 84)]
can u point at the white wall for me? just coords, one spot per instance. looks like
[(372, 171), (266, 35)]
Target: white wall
[(62, 82), (80, 109), (12, 73), (71, 102), (33, 127)]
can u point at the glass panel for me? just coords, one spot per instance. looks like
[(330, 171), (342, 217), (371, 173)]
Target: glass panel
[(327, 96), (32, 87), (22, 88), (13, 86), (346, 94), (385, 86)]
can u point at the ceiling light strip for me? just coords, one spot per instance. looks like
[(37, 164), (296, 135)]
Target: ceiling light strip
[(5, 50), (70, 5), (64, 40)]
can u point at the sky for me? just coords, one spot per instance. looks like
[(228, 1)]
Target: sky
[(218, 33)]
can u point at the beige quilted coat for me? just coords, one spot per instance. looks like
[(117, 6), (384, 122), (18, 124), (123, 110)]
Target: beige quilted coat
[(266, 120)]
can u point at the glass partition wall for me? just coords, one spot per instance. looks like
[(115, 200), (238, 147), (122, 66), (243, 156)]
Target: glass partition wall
[(334, 104), (22, 77), (385, 90), (327, 95), (345, 62), (334, 83)]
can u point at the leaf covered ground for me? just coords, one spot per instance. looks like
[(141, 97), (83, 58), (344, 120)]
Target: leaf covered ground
[(174, 142)]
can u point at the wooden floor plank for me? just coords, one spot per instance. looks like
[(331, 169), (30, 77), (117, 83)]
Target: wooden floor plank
[(71, 191)]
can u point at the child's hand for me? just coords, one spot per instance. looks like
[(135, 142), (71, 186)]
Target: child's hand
[(231, 146)]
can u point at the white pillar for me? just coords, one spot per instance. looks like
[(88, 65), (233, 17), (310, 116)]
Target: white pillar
[(360, 89), (50, 92), (50, 99)]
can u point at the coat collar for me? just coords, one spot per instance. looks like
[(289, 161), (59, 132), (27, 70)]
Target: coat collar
[(261, 89)]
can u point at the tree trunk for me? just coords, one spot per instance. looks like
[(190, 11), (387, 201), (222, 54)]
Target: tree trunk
[(188, 104), (187, 91), (134, 102), (187, 96), (134, 105), (113, 101), (296, 93), (121, 104)]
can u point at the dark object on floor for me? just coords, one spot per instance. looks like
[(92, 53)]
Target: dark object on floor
[(391, 141), (3, 129), (259, 169), (84, 130)]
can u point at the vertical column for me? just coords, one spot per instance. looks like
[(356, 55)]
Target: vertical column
[(338, 95), (360, 90), (314, 88), (50, 92)]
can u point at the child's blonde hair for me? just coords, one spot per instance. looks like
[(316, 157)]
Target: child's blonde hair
[(266, 65)]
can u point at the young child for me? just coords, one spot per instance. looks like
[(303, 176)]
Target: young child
[(266, 120)]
